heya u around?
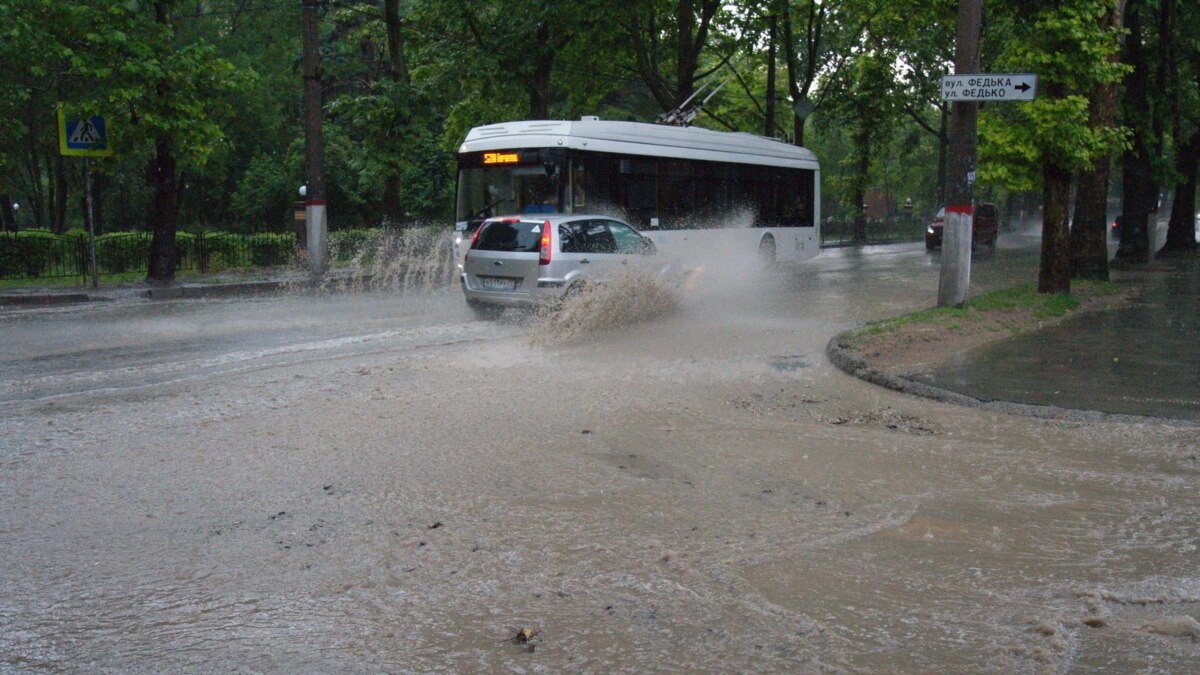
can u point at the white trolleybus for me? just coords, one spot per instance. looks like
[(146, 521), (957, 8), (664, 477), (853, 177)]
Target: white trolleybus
[(693, 191)]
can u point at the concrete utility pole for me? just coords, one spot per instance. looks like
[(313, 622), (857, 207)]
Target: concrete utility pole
[(314, 147), (955, 274)]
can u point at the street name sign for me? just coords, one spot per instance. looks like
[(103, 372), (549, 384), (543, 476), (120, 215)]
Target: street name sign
[(989, 87), (83, 137)]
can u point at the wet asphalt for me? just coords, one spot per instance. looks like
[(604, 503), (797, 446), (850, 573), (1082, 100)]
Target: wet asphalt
[(1138, 360)]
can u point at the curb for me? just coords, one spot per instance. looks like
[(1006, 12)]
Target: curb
[(839, 354), (221, 290), (183, 292), (48, 299)]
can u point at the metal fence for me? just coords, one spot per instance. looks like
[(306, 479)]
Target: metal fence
[(878, 231), (37, 254)]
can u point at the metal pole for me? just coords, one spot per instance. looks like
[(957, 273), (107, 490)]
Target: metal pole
[(87, 181)]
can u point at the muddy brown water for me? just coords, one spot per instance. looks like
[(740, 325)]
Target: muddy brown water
[(397, 487)]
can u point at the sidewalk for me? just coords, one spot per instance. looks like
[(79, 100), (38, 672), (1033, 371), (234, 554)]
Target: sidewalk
[(218, 285), (1132, 363)]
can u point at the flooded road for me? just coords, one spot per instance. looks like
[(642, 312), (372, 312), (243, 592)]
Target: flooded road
[(367, 482)]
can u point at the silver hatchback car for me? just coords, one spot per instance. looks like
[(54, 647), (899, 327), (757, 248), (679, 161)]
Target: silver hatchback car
[(520, 261)]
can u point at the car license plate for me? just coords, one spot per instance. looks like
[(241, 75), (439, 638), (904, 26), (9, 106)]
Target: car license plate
[(498, 283)]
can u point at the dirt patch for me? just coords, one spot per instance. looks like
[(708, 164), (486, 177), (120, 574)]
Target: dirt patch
[(903, 346)]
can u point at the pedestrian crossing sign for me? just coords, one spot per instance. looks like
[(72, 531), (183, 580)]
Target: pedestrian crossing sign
[(83, 137)]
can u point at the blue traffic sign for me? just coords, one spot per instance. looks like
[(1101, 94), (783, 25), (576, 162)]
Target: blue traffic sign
[(83, 137)]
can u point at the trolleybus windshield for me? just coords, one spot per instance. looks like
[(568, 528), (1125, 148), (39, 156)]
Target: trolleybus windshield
[(508, 182)]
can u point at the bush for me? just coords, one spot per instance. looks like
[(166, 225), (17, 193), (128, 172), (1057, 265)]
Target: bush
[(25, 254), (345, 245), (123, 251), (267, 250), (223, 250), (186, 252), (31, 254)]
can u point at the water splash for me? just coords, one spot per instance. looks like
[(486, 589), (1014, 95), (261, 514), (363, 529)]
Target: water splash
[(417, 262), (631, 298)]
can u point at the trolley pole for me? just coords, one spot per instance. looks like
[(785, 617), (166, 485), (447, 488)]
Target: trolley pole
[(955, 276)]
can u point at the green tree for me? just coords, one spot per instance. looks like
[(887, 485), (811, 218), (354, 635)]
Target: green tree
[(1063, 43)]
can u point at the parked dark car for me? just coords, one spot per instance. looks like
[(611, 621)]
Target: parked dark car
[(985, 227)]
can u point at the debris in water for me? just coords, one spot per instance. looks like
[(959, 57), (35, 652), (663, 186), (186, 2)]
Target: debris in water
[(1095, 621), (1045, 628), (525, 637), (435, 525), (1182, 626), (888, 419)]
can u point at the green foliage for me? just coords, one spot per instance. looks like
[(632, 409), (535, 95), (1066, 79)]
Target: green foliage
[(269, 250), (1020, 299), (221, 81), (265, 193), (223, 251), (1064, 44), (122, 251), (345, 245), (31, 252)]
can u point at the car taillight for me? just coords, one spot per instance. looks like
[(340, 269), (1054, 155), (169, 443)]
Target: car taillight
[(471, 245), (544, 250)]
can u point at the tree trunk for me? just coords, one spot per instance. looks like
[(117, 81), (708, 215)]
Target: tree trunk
[(35, 195), (8, 217), (1136, 184), (1089, 231), (1054, 271), (790, 61), (164, 205), (1089, 228), (1181, 229), (799, 94), (393, 210), (539, 79), (163, 208), (686, 61), (863, 143), (769, 115), (100, 183), (59, 194), (395, 39)]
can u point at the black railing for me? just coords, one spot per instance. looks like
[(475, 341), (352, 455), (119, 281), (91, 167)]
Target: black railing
[(878, 231), (37, 254)]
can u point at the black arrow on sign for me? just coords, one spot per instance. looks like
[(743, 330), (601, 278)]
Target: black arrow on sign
[(1022, 87)]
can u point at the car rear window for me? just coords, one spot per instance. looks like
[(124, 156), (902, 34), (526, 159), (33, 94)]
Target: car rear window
[(520, 236)]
